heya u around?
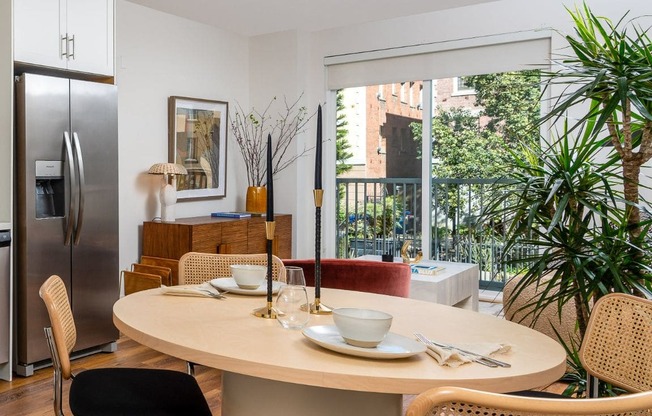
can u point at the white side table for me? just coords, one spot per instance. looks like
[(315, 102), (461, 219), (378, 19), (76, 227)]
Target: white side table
[(456, 285)]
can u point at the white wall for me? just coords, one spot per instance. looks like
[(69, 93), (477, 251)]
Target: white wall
[(6, 159), (157, 56), (277, 69), (6, 115)]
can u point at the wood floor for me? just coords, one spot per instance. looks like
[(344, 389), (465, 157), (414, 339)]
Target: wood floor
[(25, 396)]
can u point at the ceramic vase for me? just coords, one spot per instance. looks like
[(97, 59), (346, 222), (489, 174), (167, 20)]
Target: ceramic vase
[(256, 201)]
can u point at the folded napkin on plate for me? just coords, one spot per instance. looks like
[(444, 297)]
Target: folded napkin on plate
[(454, 358), (204, 290)]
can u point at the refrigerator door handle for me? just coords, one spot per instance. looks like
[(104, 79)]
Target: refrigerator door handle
[(72, 202), (82, 187)]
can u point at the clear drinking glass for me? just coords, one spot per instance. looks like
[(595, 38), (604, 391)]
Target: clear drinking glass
[(292, 300), (294, 276)]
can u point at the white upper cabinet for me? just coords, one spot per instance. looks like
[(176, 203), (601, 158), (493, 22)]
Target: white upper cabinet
[(76, 35), (91, 24), (37, 32)]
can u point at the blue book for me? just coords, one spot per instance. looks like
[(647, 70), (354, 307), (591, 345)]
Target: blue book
[(231, 214), (423, 269)]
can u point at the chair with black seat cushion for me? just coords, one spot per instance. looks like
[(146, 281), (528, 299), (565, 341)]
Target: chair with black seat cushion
[(112, 391)]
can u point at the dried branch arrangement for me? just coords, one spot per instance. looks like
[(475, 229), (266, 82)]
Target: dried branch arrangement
[(251, 129)]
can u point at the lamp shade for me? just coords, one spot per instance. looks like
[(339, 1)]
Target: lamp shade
[(167, 169)]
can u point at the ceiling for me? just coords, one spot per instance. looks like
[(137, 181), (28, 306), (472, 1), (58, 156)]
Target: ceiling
[(256, 17)]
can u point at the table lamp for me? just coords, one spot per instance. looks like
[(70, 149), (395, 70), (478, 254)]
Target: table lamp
[(168, 193)]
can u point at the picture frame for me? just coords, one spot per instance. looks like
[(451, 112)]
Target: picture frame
[(197, 131)]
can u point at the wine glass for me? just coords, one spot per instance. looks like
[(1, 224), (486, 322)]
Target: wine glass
[(294, 276), (292, 300)]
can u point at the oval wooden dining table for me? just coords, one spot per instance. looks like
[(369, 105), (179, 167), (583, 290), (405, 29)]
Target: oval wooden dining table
[(275, 371)]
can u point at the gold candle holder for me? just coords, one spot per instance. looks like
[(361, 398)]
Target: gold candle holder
[(317, 308), (270, 228), (318, 195), (268, 311)]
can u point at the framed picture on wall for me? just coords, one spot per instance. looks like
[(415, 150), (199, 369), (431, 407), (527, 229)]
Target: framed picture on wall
[(197, 140)]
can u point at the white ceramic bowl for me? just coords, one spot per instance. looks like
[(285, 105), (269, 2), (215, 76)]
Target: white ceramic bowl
[(362, 327), (248, 276)]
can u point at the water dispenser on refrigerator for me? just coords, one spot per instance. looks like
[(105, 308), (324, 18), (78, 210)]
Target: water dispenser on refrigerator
[(50, 189)]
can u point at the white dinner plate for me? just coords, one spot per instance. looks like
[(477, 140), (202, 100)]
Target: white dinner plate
[(227, 284), (393, 346)]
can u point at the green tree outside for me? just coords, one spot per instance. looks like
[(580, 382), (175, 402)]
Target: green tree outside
[(469, 144), (341, 144)]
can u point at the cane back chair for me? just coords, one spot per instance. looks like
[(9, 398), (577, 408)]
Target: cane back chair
[(457, 401), (195, 268), (616, 344), (615, 349), (111, 391)]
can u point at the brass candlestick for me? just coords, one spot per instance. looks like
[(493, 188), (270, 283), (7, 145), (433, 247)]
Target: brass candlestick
[(317, 307), (268, 311)]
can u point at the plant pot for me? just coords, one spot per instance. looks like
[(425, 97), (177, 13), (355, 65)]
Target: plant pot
[(256, 201)]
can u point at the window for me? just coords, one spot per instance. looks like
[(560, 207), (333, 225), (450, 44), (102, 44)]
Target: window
[(381, 93), (460, 87), (443, 66), (411, 94)]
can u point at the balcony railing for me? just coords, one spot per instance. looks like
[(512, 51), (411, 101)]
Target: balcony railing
[(376, 216)]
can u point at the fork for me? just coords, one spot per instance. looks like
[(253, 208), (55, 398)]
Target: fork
[(478, 358), (211, 293)]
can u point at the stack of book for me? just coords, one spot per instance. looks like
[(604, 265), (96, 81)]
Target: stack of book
[(231, 214), (423, 269)]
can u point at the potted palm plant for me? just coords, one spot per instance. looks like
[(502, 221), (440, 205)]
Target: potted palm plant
[(611, 70), (574, 201), (250, 130), (562, 207)]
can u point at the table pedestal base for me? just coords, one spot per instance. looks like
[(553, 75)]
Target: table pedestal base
[(247, 396)]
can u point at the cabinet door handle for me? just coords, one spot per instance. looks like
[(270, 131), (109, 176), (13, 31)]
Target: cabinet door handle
[(63, 46), (71, 41)]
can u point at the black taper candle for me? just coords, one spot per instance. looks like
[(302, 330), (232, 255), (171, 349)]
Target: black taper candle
[(318, 154), (270, 215), (318, 187), (270, 181)]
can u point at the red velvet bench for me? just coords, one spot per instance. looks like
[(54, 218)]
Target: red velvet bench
[(362, 275)]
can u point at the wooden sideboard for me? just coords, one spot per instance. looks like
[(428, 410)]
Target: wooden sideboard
[(216, 235)]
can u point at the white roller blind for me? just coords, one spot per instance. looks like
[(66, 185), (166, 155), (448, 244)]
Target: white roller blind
[(512, 52)]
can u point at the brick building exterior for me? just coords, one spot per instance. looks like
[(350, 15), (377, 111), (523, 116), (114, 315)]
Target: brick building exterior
[(390, 110), (379, 120)]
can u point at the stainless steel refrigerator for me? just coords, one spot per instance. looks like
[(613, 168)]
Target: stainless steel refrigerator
[(66, 210)]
